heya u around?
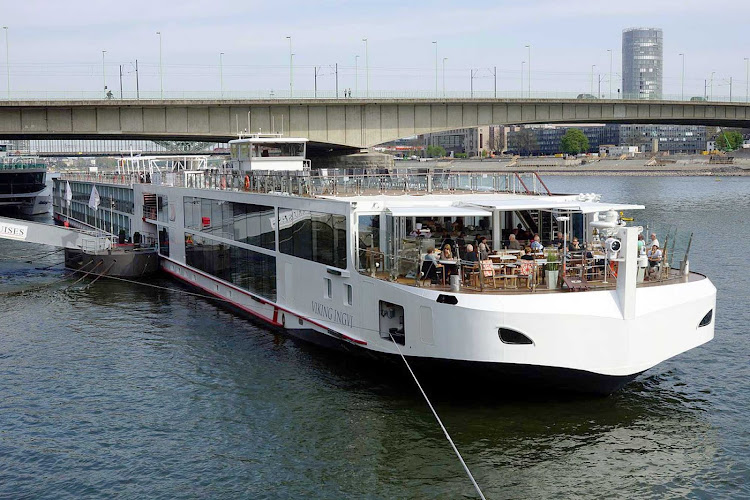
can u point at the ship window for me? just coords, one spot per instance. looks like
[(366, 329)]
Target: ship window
[(509, 336), (707, 319), (349, 294), (245, 268), (248, 223), (316, 236), (329, 288)]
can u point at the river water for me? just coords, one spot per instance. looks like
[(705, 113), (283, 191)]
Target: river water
[(115, 389)]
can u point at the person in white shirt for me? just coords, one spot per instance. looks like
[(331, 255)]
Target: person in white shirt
[(654, 241)]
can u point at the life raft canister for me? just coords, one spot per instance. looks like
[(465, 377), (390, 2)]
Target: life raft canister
[(247, 183)]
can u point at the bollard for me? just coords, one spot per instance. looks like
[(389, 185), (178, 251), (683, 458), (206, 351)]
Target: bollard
[(455, 282)]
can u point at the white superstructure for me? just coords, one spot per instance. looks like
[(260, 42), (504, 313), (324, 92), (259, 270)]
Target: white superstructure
[(339, 260)]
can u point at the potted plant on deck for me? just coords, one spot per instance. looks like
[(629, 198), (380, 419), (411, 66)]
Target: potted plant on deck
[(552, 270)]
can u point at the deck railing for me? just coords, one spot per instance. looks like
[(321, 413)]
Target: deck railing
[(306, 183)]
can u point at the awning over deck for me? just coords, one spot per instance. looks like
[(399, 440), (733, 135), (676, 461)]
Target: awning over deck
[(585, 207), (436, 211)]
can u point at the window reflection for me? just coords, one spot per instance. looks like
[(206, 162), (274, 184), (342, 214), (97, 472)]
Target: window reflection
[(316, 236)]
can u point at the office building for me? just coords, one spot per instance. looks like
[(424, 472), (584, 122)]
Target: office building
[(642, 63)]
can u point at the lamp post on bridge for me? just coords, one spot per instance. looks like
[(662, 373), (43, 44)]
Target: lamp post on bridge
[(291, 71), (367, 69), (529, 59), (7, 59), (436, 69), (682, 78), (221, 74), (161, 70), (104, 76)]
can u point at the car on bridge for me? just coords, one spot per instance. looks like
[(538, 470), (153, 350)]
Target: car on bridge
[(585, 96)]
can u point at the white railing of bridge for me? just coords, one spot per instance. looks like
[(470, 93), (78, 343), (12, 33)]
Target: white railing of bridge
[(738, 97)]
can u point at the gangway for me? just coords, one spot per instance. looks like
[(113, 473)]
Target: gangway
[(47, 234)]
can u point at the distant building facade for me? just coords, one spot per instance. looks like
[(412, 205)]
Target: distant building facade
[(473, 141), (642, 63), (689, 139), (547, 139)]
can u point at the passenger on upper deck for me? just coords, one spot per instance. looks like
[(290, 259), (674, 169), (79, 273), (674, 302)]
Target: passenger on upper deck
[(447, 253), (654, 241), (558, 241), (513, 243), (536, 244), (470, 254), (654, 259), (484, 248), (527, 254), (574, 246), (641, 245)]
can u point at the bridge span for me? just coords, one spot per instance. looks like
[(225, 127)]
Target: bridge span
[(335, 123)]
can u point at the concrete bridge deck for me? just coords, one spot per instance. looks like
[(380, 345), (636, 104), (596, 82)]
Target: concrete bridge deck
[(335, 123)]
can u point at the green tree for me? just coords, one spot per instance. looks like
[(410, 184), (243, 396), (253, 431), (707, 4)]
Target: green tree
[(574, 142), (524, 142), (435, 151), (729, 140)]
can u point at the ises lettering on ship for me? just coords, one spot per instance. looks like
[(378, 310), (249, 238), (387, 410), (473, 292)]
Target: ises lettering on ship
[(13, 231)]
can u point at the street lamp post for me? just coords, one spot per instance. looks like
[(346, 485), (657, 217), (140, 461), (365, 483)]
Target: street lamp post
[(436, 69), (356, 76), (444, 59), (367, 69), (593, 66), (682, 78), (161, 70), (291, 70), (221, 74), (529, 59), (7, 59), (610, 72), (104, 76)]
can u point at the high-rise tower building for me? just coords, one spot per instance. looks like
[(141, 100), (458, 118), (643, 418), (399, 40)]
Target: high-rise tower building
[(642, 68)]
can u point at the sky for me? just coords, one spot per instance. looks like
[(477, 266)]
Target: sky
[(55, 47)]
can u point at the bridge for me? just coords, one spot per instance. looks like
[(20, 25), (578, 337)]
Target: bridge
[(345, 124)]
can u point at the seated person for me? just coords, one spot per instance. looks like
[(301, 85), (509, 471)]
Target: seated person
[(447, 252), (483, 248), (536, 244), (513, 243), (574, 246), (641, 245), (527, 254), (470, 255), (558, 241), (431, 267), (654, 259)]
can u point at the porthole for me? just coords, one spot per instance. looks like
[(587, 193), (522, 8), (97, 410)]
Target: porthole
[(707, 319), (508, 336)]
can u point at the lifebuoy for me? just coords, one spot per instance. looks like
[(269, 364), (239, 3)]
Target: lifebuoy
[(247, 183), (223, 183)]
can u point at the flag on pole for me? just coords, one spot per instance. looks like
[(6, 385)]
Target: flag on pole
[(68, 193), (94, 199)]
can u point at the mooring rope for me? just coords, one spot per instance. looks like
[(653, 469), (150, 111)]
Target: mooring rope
[(445, 431)]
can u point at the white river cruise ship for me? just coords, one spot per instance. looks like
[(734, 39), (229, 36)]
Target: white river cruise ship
[(346, 260)]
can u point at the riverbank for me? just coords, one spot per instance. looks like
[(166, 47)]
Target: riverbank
[(643, 167)]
